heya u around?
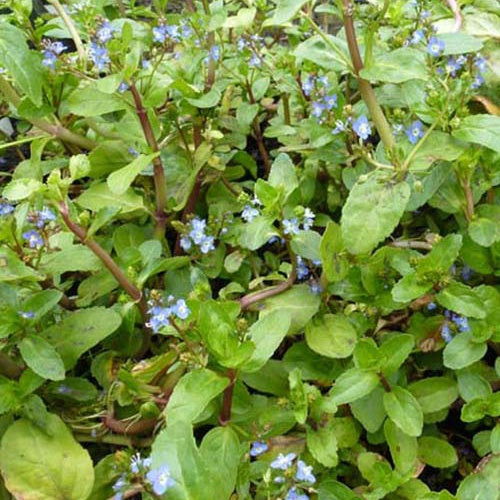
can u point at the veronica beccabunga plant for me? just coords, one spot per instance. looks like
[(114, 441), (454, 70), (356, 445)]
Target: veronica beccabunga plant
[(249, 250)]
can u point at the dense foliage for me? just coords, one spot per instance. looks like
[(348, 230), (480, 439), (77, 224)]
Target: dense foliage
[(249, 250)]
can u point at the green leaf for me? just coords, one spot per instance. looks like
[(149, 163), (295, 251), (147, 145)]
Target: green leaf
[(192, 394), (306, 244), (10, 399), (335, 490), (257, 232), (99, 196), (441, 257), (331, 335), (462, 351), (434, 393), (353, 384), (480, 129), (437, 146), (41, 357), (403, 447), (484, 231), (285, 11), (459, 43), (88, 101), (335, 266), (266, 334), (372, 211), (40, 303), (318, 49), (208, 100), (243, 19), (322, 443), (403, 409), (282, 175), (12, 268), (436, 452), (45, 466), (410, 287), (298, 396), (120, 180), (19, 189), (397, 66), (461, 299), (21, 63), (76, 258), (81, 330), (476, 487), (395, 351), (298, 303)]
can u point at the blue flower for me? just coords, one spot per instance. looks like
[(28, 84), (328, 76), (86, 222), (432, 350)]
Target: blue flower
[(207, 244), (159, 33), (466, 273), (308, 85), (187, 31), (173, 33), (330, 101), (105, 32), (249, 213), (304, 472), (461, 321), (160, 479), (324, 81), (120, 484), (159, 317), (294, 495), (478, 81), (138, 464), (186, 243), (214, 53), (123, 87), (49, 59), (302, 269), (315, 288), (5, 209), (291, 226), (416, 37), (431, 306), (339, 127), (445, 333), (181, 310), (453, 65), (33, 238), (258, 447), (362, 127), (308, 220), (26, 314), (242, 44), (44, 216), (435, 46), (480, 63), (283, 462), (99, 56), (317, 109), (415, 131)]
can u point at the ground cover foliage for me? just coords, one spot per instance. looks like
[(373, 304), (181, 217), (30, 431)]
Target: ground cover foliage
[(249, 250)]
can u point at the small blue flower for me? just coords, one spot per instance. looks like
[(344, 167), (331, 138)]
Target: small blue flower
[(49, 59), (33, 238), (291, 226), (478, 81), (294, 495), (249, 213), (159, 317), (452, 66), (160, 479), (361, 127), (339, 127), (173, 32), (187, 31), (120, 484), (317, 109), (461, 321), (425, 14), (105, 32), (242, 44), (159, 33), (330, 101), (480, 63), (123, 87), (99, 56), (258, 448), (304, 472), (214, 53), (283, 462), (415, 131), (26, 314), (308, 85), (181, 310), (308, 221), (446, 334), (431, 306), (255, 61), (324, 81), (435, 46), (138, 464), (5, 209), (466, 273), (416, 37), (207, 244), (44, 216), (315, 288), (302, 269), (186, 243), (133, 151)]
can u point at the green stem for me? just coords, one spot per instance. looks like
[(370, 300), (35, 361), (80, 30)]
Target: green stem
[(58, 131), (365, 88), (21, 141), (71, 28), (414, 151), (159, 173)]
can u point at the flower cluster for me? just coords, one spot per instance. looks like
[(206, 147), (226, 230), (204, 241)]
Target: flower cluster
[(158, 479), (159, 315), (455, 323), (253, 45), (196, 236), (98, 52), (258, 448), (50, 52), (33, 238), (172, 32), (292, 226), (42, 217), (251, 210), (322, 100), (302, 475)]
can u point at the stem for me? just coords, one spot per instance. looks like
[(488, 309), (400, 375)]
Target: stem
[(456, 12), (71, 28), (132, 493), (384, 382), (121, 7), (469, 200), (9, 368), (159, 173), (417, 146), (227, 401), (106, 259), (21, 141), (367, 93), (420, 245), (118, 440), (130, 428), (286, 108), (58, 131)]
